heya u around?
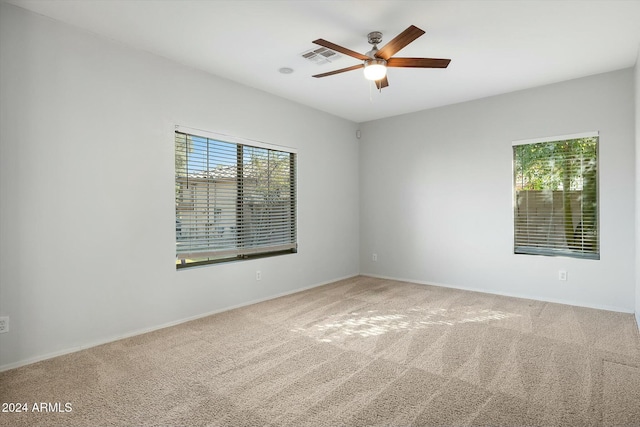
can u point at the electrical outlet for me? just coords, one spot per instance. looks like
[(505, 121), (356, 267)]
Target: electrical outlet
[(258, 275), (562, 275), (374, 257), (4, 324)]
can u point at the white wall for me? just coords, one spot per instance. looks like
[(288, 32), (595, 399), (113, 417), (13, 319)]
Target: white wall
[(436, 196), (637, 111), (87, 214)]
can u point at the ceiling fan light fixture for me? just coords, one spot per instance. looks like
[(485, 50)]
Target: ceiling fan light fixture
[(375, 61), (375, 69)]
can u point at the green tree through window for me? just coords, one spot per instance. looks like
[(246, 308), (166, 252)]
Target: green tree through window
[(556, 197)]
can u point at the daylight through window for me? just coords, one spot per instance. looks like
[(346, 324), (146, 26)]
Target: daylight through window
[(233, 200), (556, 196)]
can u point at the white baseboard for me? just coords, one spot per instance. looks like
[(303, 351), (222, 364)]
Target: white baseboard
[(133, 333), (507, 294)]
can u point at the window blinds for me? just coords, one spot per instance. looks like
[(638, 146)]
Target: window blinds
[(232, 199), (556, 197)]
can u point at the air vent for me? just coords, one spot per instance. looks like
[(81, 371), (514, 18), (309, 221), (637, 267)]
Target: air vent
[(321, 55)]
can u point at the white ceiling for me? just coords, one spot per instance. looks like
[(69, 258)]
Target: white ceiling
[(495, 46)]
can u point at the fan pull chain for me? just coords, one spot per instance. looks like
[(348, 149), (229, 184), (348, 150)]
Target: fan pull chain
[(371, 83)]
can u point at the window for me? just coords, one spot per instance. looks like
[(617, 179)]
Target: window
[(235, 199), (556, 196)]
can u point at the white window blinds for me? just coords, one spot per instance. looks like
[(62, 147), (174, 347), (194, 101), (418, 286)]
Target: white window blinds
[(556, 196), (233, 200)]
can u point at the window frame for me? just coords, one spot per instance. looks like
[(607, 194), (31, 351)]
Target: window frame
[(549, 251), (243, 142)]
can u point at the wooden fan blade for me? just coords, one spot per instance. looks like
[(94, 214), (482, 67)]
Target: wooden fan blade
[(341, 49), (400, 41), (382, 83), (342, 70), (418, 62)]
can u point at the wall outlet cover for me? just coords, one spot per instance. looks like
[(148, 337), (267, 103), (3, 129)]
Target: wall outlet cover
[(4, 324)]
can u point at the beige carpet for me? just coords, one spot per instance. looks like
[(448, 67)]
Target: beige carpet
[(358, 352)]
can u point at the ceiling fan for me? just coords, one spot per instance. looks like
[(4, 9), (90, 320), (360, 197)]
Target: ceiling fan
[(376, 61)]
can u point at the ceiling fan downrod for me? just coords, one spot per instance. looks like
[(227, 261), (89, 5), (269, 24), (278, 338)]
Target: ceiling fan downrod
[(374, 38)]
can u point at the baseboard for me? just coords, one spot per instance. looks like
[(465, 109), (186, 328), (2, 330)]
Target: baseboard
[(638, 320), (130, 334), (507, 294)]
